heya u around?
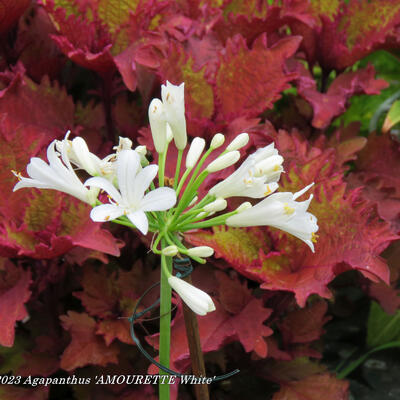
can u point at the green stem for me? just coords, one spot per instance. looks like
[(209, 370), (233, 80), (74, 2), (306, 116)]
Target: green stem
[(165, 322), (161, 167), (178, 168), (220, 220), (350, 368)]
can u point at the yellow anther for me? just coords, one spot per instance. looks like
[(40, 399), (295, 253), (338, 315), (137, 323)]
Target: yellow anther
[(277, 167), (314, 237), (288, 210), (17, 174), (107, 218), (268, 191)]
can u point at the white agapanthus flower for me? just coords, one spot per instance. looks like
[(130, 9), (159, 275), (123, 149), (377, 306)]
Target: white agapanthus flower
[(131, 200), (197, 300), (57, 175), (256, 177), (282, 211)]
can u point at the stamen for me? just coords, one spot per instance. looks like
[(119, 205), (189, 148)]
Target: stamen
[(17, 174), (314, 237), (107, 218), (277, 167), (268, 191)]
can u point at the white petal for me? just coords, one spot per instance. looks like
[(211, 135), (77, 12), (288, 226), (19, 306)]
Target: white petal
[(106, 212), (139, 219), (142, 182), (159, 199), (83, 155), (106, 185), (302, 191), (128, 163)]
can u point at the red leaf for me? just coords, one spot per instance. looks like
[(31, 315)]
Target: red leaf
[(14, 293), (240, 67), (85, 347), (10, 11), (305, 325), (314, 387), (346, 32), (329, 105)]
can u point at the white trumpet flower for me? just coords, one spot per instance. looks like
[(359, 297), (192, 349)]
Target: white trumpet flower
[(256, 177), (57, 175), (173, 98), (130, 200), (78, 154), (197, 300), (280, 210)]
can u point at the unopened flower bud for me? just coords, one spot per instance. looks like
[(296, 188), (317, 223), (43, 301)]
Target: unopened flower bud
[(217, 141), (224, 161), (201, 251), (244, 206), (170, 251), (215, 206), (173, 98), (170, 136), (239, 142), (158, 125), (196, 148), (198, 301)]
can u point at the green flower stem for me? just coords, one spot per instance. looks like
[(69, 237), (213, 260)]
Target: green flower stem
[(182, 181), (161, 167), (155, 244), (220, 220), (165, 321), (178, 169), (182, 249), (188, 195)]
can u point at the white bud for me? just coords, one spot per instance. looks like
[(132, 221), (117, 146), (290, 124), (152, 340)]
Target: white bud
[(83, 155), (196, 148), (173, 98), (239, 142), (198, 301), (170, 251), (244, 206), (195, 198), (201, 251), (226, 160), (158, 125), (170, 136), (217, 205), (217, 141)]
